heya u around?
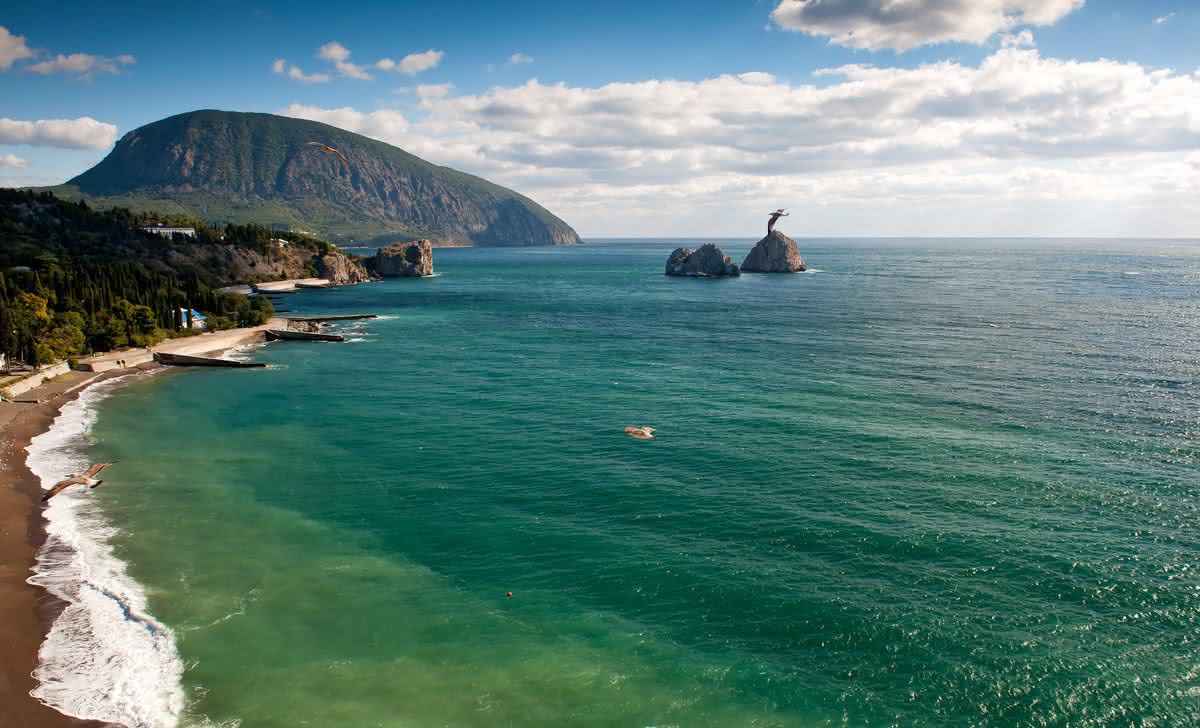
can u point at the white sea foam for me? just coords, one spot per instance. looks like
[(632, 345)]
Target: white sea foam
[(242, 352), (105, 658)]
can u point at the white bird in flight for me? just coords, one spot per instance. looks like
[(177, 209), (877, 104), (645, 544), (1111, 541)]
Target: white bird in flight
[(641, 433), (88, 479)]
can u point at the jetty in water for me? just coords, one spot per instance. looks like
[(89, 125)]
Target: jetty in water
[(186, 360), (342, 317), (201, 345), (288, 335), (198, 350)]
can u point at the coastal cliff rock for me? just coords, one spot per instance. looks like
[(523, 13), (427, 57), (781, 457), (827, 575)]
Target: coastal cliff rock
[(224, 264), (404, 259), (707, 262), (340, 269), (775, 253)]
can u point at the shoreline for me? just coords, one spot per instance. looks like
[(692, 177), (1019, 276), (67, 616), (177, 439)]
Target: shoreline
[(28, 611)]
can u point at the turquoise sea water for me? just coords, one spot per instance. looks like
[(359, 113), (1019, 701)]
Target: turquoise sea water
[(946, 483)]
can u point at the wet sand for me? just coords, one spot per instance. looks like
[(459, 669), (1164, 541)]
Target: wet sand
[(26, 611)]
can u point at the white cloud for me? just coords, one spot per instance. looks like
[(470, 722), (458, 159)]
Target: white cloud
[(1164, 19), (339, 56), (82, 64), (381, 124), (920, 145), (1024, 39), (517, 59), (433, 90), (13, 48), (12, 161), (284, 68), (82, 133), (905, 24), (413, 63)]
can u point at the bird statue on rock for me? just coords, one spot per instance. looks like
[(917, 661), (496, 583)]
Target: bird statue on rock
[(781, 212)]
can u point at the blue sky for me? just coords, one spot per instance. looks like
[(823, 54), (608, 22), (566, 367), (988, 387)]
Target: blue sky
[(1027, 113)]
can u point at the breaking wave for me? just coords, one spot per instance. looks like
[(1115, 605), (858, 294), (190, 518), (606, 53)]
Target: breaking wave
[(106, 657)]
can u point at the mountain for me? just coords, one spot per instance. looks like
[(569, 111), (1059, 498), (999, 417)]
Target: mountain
[(225, 166)]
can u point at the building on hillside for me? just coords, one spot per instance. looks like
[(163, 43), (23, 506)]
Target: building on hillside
[(279, 243), (167, 230), (197, 320)]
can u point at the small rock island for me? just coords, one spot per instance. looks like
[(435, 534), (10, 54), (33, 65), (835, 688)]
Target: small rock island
[(403, 260), (707, 262), (776, 253)]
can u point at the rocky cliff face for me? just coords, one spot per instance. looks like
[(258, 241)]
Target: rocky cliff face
[(775, 253), (707, 261), (404, 259), (238, 264), (341, 269), (241, 167)]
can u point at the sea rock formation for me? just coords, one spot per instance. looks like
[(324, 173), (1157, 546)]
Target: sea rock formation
[(404, 259), (340, 269), (775, 253), (706, 262)]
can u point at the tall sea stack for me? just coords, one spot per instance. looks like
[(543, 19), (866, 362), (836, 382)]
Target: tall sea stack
[(775, 253), (403, 260)]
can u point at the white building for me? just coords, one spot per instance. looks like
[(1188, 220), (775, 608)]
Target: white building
[(198, 319), (167, 231)]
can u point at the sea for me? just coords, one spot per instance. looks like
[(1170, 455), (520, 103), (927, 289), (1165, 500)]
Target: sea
[(925, 483)]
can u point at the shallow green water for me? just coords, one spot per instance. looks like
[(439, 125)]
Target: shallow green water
[(935, 483)]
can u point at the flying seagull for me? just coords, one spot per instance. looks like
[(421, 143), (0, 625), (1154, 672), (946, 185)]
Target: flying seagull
[(330, 150), (641, 433), (88, 479), (781, 212)]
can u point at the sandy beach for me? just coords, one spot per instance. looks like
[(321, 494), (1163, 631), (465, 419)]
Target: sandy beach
[(26, 611)]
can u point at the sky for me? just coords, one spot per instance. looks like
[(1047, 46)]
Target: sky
[(668, 118)]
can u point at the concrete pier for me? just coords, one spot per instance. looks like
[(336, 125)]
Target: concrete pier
[(188, 346)]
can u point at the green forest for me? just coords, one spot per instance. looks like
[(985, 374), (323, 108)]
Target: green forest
[(74, 281)]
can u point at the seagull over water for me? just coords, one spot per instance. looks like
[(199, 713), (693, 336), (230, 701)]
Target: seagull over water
[(88, 479), (641, 433), (330, 150), (781, 212)]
